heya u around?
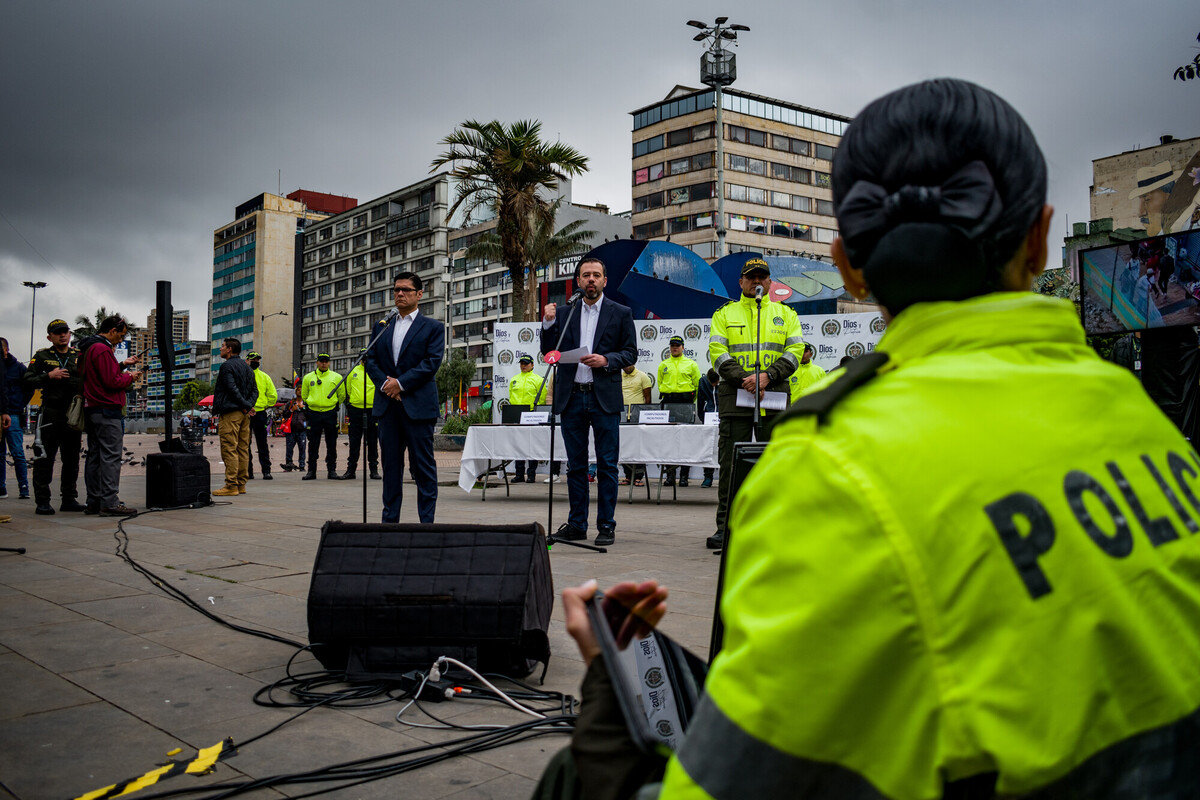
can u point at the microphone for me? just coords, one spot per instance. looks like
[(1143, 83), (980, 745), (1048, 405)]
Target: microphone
[(578, 294), (395, 312), (758, 293)]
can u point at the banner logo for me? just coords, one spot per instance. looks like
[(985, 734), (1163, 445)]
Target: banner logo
[(525, 335), (664, 728), (666, 353), (505, 357), (855, 349), (649, 333), (878, 325), (654, 677), (691, 332), (831, 327)]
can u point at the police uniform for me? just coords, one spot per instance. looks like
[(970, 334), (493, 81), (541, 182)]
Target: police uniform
[(970, 560), (732, 350), (259, 424), (57, 438), (322, 416), (526, 389), (678, 380), (360, 394), (804, 376)]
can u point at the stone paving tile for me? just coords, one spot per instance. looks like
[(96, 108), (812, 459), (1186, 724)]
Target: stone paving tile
[(138, 613), (80, 644), (76, 588), (18, 611), (30, 689)]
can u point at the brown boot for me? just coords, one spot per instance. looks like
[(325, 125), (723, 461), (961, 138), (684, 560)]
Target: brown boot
[(226, 491)]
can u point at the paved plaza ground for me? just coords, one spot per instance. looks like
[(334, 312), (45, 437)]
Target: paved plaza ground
[(104, 674)]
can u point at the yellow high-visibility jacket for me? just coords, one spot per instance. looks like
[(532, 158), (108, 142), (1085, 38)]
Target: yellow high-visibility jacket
[(267, 396), (316, 386), (357, 383), (526, 389), (984, 559), (732, 348)]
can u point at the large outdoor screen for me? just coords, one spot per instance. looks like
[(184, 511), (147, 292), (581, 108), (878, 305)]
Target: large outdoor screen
[(1150, 283)]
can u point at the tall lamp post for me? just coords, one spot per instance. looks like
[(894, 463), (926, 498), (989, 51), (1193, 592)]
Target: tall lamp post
[(718, 68), (33, 310)]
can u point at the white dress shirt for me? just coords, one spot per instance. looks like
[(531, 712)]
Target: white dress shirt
[(589, 318), (400, 329)]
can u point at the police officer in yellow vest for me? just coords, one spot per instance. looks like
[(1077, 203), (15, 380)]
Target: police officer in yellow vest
[(808, 373), (969, 566), (260, 426), (526, 388), (360, 395), (738, 338), (678, 380), (322, 415)]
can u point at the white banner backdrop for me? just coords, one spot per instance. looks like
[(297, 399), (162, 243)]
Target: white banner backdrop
[(833, 335)]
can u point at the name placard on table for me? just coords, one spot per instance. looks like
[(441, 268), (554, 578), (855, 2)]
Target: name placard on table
[(535, 417), (654, 417)]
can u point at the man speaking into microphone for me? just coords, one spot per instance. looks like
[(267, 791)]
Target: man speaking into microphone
[(588, 395), (402, 363), (744, 332)]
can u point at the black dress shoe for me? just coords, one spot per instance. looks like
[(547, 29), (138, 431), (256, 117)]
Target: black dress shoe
[(375, 476), (250, 476), (43, 508), (333, 476), (683, 481), (91, 510), (309, 476), (569, 533), (267, 476), (287, 467), (606, 536), (518, 479), (349, 476), (669, 482), (71, 505), (715, 542)]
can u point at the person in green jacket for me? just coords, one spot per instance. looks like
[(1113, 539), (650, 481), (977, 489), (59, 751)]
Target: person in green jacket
[(526, 388), (968, 565), (360, 395), (260, 423), (808, 373), (678, 380)]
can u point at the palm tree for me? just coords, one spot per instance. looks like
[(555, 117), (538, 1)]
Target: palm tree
[(503, 167), (544, 247), (86, 326)]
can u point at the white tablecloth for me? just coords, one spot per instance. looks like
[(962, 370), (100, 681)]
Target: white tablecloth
[(690, 445)]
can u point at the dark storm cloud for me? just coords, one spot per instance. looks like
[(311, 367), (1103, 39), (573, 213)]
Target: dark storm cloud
[(132, 129)]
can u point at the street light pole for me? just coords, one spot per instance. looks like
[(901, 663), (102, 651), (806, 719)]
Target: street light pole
[(718, 68), (33, 311)]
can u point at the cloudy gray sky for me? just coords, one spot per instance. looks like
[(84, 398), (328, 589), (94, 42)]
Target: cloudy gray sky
[(132, 129)]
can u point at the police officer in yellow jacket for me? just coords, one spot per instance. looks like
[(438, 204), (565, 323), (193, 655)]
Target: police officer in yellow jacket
[(260, 425), (738, 339), (808, 373), (678, 380), (526, 389), (360, 395), (322, 415), (969, 566)]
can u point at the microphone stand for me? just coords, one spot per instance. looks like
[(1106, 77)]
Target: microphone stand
[(363, 444), (758, 293), (551, 539)]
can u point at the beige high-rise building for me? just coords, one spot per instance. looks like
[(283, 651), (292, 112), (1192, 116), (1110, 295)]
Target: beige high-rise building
[(775, 186), (1152, 189), (255, 275)]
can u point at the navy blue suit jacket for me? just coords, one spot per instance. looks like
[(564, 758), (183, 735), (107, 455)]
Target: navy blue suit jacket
[(420, 356), (615, 340)]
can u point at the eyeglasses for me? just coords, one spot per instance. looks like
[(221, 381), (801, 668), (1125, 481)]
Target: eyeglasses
[(404, 290)]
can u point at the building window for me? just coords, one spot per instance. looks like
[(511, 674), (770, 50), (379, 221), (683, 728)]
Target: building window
[(307, 313), (649, 230), (340, 267), (826, 236), (325, 233), (360, 221), (825, 207), (647, 146), (339, 306), (326, 289), (396, 250), (826, 152), (378, 276), (376, 299), (341, 286), (736, 133), (822, 179), (310, 295), (360, 241), (359, 281), (358, 262), (789, 145), (323, 272), (342, 227), (342, 247), (379, 212), (801, 203), (323, 310), (358, 303)]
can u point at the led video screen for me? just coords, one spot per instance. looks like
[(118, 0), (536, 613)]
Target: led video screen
[(1150, 283)]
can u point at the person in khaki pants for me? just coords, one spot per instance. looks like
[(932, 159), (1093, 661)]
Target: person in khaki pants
[(234, 398)]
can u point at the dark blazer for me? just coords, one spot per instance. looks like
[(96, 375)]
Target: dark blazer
[(420, 357), (615, 339)]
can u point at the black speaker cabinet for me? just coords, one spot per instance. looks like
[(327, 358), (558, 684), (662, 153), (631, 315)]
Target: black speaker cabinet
[(745, 456), (389, 598), (176, 479)]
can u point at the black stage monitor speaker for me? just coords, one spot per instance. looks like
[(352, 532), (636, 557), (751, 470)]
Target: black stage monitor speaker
[(176, 479), (389, 598)]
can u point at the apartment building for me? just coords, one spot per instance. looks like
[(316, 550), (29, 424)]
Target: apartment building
[(350, 261), (776, 185)]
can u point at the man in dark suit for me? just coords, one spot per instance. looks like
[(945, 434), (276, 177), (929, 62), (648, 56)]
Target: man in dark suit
[(588, 396), (402, 364)]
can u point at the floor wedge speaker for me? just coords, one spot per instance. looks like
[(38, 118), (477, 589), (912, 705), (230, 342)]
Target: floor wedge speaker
[(177, 479), (389, 598)]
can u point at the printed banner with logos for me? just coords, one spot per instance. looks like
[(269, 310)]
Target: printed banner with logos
[(833, 335)]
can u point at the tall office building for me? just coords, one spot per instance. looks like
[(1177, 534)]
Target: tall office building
[(350, 261), (256, 261), (776, 185), (146, 339)]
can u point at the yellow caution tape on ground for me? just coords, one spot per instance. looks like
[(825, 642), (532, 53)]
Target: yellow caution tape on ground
[(201, 764)]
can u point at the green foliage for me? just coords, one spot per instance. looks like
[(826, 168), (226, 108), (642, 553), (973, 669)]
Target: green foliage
[(545, 245), (192, 393), (454, 375), (457, 425), (502, 167), (1191, 70), (86, 326), (1058, 283)]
